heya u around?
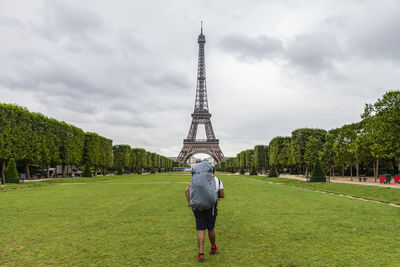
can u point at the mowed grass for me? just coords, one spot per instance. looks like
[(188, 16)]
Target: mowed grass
[(143, 220)]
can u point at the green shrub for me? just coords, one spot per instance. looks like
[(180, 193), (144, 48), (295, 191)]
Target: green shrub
[(139, 170), (272, 172), (120, 171), (242, 171), (318, 173), (11, 172), (253, 170), (87, 172)]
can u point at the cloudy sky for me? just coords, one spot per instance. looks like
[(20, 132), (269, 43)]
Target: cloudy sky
[(127, 69)]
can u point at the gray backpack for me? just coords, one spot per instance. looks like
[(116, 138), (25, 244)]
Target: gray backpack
[(202, 187)]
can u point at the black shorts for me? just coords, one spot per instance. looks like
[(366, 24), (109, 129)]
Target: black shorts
[(205, 219)]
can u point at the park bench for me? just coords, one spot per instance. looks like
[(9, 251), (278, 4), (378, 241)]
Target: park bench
[(396, 178), (385, 178), (362, 177)]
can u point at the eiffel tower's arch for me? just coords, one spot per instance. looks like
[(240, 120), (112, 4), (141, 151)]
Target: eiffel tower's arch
[(195, 153), (201, 115)]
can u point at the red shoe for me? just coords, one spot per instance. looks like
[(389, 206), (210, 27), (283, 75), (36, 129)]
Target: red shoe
[(213, 250), (200, 257)]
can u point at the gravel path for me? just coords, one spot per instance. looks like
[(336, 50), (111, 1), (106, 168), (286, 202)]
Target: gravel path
[(345, 180)]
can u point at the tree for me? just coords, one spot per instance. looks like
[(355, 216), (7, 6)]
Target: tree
[(98, 151), (91, 154), (249, 158), (133, 160), (122, 156), (11, 172), (344, 146), (280, 152), (327, 155), (275, 146), (242, 161), (231, 165), (299, 141), (141, 159), (260, 158), (6, 113), (313, 147), (285, 156), (362, 148), (382, 128), (107, 156)]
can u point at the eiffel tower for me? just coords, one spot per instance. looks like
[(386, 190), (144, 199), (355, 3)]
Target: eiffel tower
[(201, 115)]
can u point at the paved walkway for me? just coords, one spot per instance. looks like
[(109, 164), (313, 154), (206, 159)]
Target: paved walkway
[(344, 180)]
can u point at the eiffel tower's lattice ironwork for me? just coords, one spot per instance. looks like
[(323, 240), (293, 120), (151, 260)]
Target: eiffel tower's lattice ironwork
[(201, 115)]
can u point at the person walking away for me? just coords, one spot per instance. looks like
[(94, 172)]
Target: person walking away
[(202, 195)]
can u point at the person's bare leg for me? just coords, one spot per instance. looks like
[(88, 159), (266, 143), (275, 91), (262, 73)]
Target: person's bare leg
[(211, 236), (200, 238)]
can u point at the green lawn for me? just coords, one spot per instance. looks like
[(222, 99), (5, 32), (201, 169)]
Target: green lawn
[(142, 220)]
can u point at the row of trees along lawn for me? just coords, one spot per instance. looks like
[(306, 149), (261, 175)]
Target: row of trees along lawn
[(368, 147), (137, 160), (33, 139)]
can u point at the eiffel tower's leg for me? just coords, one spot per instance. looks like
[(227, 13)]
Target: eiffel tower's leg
[(209, 130), (187, 156), (193, 130), (183, 155)]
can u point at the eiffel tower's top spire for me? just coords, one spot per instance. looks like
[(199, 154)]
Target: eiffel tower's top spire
[(201, 103), (202, 38)]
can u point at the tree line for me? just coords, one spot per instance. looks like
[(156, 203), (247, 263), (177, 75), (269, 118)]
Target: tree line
[(136, 160), (367, 147), (32, 139)]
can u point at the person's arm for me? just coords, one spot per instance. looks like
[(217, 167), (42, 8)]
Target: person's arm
[(221, 193), (187, 195)]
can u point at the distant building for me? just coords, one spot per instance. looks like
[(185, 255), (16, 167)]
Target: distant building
[(211, 160), (192, 161)]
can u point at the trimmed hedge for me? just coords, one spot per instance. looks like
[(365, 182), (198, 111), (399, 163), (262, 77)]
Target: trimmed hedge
[(318, 173), (272, 172), (11, 172)]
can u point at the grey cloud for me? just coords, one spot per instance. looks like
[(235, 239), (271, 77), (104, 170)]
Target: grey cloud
[(73, 27), (258, 48), (310, 52), (114, 118), (54, 80), (172, 80), (69, 103), (381, 41), (313, 53), (64, 18), (11, 22)]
